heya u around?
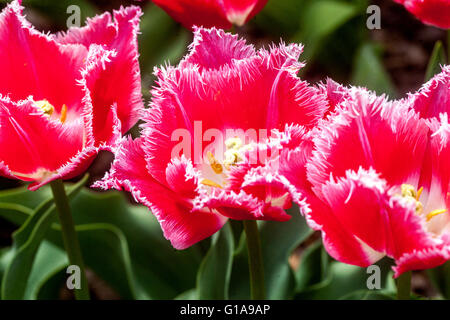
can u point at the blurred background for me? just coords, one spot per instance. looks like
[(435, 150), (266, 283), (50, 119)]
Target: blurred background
[(392, 60)]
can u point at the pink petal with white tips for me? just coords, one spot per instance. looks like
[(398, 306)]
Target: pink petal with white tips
[(32, 144), (173, 209), (239, 12), (434, 97), (119, 35), (32, 64), (380, 135)]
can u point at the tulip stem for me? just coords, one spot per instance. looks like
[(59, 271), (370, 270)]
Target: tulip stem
[(404, 286), (70, 236), (255, 260)]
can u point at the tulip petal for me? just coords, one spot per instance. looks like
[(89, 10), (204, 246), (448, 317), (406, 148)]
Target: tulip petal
[(182, 226), (32, 144), (205, 13), (433, 12), (31, 63), (123, 71), (380, 134), (434, 97)]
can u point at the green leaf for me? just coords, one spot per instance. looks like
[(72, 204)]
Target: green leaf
[(123, 244), (436, 60), (56, 11), (26, 242), (368, 295), (127, 236), (278, 240), (369, 71), (214, 274), (334, 280), (280, 17), (191, 294), (49, 261), (440, 277), (319, 20), (22, 196)]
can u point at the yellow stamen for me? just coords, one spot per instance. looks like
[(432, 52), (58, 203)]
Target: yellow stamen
[(63, 113), (408, 191), (215, 165), (419, 192), (45, 106), (211, 183), (435, 213), (233, 143)]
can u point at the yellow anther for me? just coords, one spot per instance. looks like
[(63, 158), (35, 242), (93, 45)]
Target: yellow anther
[(232, 156), (63, 113), (234, 143), (211, 183), (215, 165), (45, 106), (408, 191), (419, 192), (435, 213)]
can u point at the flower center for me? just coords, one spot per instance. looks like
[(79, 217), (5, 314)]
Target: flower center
[(233, 154), (48, 109), (409, 192)]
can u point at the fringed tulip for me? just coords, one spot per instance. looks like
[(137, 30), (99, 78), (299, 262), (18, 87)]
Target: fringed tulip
[(65, 97), (432, 12), (377, 181), (212, 13), (219, 125)]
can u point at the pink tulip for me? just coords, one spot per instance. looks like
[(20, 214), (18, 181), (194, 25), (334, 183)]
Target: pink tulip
[(377, 181), (433, 12), (212, 13), (65, 97), (195, 185)]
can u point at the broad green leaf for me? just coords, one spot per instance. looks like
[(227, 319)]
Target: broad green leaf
[(23, 197), (6, 256), (320, 278), (161, 40), (319, 20), (191, 294), (105, 243), (440, 277), (368, 295), (49, 261), (14, 212), (57, 10), (280, 17), (158, 270), (26, 242), (214, 274), (369, 71), (278, 240), (436, 60)]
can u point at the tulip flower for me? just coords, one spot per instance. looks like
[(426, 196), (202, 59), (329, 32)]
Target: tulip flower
[(376, 180), (65, 97), (432, 12), (62, 99), (433, 99), (188, 168), (212, 13)]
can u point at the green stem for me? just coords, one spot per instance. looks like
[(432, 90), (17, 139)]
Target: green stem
[(255, 261), (448, 46), (70, 236), (404, 286)]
